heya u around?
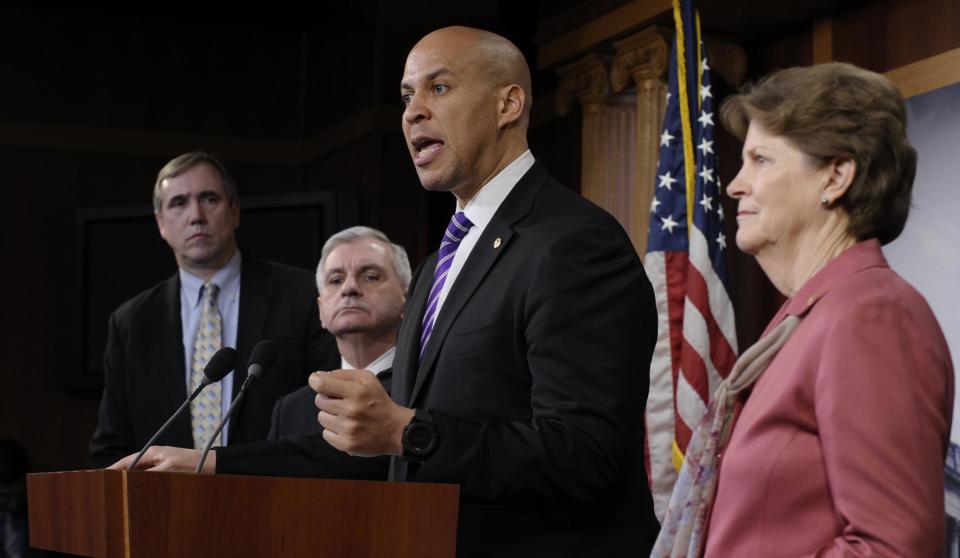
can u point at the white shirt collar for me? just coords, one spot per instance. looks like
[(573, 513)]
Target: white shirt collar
[(482, 206), (381, 363)]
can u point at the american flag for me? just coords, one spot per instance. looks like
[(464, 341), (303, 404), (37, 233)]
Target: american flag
[(686, 262)]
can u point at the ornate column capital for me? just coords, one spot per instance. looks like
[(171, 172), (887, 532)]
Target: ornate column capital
[(586, 80), (641, 58), (727, 59)]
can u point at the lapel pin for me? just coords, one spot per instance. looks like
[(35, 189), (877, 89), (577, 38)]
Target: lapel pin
[(496, 243)]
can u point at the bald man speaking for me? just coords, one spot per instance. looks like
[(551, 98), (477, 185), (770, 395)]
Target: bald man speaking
[(521, 370)]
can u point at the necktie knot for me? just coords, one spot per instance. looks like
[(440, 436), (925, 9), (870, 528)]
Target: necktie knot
[(456, 230), (211, 290), (458, 227)]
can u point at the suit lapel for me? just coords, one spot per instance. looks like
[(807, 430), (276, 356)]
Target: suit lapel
[(484, 254), (256, 290), (406, 361), (170, 336)]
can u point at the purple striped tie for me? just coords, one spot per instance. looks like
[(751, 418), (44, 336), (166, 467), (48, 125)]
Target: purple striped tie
[(456, 230)]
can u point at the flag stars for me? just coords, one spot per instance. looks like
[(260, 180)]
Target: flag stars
[(707, 203), (654, 205), (706, 119), (721, 241), (665, 138), (666, 181), (703, 65), (705, 92), (706, 174), (705, 146), (668, 224), (720, 212)]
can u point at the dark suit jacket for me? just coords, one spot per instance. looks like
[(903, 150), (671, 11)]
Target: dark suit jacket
[(145, 380), (295, 414), (296, 448), (536, 376)]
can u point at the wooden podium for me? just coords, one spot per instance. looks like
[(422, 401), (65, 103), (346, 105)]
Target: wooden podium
[(141, 514)]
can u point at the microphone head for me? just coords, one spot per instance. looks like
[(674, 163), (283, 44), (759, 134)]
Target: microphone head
[(220, 364), (262, 358)]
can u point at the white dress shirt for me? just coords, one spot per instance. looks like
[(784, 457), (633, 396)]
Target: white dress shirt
[(480, 209), (382, 362)]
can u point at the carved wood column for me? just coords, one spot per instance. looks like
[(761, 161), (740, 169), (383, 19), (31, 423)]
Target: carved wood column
[(608, 139), (642, 60)]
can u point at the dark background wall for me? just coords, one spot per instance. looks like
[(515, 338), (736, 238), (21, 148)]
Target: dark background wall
[(94, 101)]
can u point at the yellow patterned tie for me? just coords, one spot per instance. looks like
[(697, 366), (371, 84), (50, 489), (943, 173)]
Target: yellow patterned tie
[(205, 409)]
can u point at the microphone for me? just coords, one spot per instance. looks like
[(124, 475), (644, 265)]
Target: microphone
[(262, 357), (220, 364)]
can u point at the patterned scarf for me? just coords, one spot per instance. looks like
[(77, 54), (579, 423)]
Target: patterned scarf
[(684, 525)]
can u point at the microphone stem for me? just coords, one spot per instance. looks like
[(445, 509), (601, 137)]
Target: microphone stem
[(223, 421), (163, 428)]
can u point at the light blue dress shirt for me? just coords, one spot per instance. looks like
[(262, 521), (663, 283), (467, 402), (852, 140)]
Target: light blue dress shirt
[(228, 302)]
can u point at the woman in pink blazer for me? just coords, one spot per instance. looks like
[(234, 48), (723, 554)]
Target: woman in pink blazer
[(830, 435)]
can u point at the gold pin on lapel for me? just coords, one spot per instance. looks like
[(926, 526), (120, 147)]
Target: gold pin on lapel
[(496, 243)]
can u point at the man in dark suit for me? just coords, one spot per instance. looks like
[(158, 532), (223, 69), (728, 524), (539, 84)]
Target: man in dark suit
[(151, 347), (362, 278), (522, 365)]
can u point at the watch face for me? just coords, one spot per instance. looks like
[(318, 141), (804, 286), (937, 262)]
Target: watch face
[(420, 438)]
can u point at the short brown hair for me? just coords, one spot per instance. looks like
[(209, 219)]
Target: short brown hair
[(839, 110), (181, 164)]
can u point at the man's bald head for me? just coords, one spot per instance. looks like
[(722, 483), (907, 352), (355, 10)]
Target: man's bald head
[(496, 56)]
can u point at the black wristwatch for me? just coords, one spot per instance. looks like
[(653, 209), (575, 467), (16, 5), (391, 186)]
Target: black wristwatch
[(420, 437)]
